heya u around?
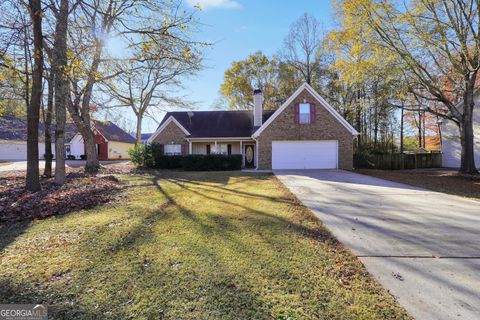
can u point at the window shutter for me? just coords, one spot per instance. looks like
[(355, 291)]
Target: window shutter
[(183, 149), (297, 112), (313, 113), (162, 150), (208, 149), (229, 149)]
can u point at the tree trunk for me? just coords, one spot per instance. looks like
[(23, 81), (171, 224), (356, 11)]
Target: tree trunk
[(61, 89), (48, 123), (401, 128), (27, 76), (88, 137), (466, 135), (424, 145), (138, 135), (92, 164), (439, 129), (33, 111), (419, 127), (375, 128), (359, 129)]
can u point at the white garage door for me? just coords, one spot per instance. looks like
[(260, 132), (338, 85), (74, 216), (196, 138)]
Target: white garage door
[(13, 150), (318, 154), (17, 150)]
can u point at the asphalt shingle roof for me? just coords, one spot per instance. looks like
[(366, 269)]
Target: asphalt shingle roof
[(206, 124), (145, 136), (13, 128), (112, 132)]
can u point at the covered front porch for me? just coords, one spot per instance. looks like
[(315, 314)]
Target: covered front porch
[(227, 146)]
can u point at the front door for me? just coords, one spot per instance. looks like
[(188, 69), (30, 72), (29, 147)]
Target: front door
[(249, 156)]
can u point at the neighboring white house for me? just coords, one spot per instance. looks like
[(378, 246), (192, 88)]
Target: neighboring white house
[(13, 138), (451, 147), (76, 147), (17, 150), (112, 142)]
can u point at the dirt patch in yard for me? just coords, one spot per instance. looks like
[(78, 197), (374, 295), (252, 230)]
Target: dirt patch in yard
[(119, 168), (446, 181)]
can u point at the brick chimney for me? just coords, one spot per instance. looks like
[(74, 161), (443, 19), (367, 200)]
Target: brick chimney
[(257, 107)]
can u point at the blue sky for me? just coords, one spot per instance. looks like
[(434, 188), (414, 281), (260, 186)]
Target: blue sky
[(238, 28)]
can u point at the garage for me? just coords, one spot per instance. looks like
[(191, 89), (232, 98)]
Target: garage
[(17, 150), (13, 150), (309, 154)]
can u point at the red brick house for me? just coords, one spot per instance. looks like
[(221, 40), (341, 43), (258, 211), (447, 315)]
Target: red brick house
[(112, 142), (305, 132)]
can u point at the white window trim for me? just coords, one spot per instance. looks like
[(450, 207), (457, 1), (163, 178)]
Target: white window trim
[(218, 147), (307, 114), (176, 149)]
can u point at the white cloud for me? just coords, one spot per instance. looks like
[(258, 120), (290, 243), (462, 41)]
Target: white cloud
[(215, 4)]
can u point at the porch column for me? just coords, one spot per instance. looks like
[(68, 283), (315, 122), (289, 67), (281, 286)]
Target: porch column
[(241, 152), (256, 155), (216, 150), (190, 147)]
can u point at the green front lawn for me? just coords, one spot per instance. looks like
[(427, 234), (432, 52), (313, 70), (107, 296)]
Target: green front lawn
[(188, 245)]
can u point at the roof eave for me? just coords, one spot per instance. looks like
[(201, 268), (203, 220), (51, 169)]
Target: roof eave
[(164, 124)]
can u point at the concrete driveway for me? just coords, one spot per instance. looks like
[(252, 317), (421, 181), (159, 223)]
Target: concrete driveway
[(421, 245)]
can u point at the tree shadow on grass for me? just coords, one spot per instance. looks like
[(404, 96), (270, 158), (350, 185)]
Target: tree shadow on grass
[(8, 233), (192, 276), (177, 293), (14, 293), (199, 185), (225, 293), (262, 217), (217, 177)]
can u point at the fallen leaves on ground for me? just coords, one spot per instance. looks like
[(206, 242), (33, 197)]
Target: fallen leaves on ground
[(441, 180), (80, 191)]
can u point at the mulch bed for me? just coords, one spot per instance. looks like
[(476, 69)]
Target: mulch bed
[(81, 191), (447, 181)]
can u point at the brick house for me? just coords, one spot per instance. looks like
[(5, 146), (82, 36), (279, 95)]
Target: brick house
[(305, 132), (112, 142)]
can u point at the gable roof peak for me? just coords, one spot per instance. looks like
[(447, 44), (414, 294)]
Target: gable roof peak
[(111, 132), (319, 98)]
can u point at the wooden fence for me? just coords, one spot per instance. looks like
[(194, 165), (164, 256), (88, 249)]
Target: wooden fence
[(398, 161)]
